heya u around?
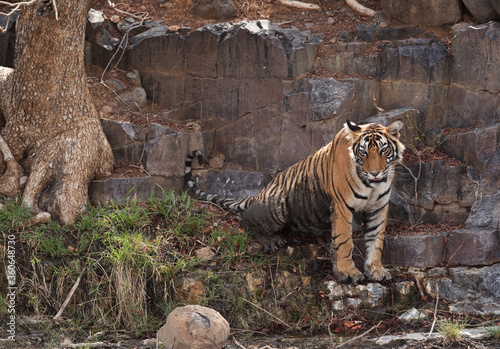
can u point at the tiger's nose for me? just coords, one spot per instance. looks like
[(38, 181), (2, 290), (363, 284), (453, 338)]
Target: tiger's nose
[(374, 173)]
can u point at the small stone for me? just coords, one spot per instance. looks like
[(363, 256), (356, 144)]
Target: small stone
[(205, 253), (115, 19), (134, 78), (196, 127), (173, 28), (216, 162), (115, 84), (254, 248), (194, 327), (136, 97), (330, 20), (458, 27), (412, 315), (107, 109)]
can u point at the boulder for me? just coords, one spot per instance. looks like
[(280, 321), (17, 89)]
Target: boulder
[(373, 33), (134, 97), (425, 61), (7, 40), (194, 327), (126, 140), (424, 250), (95, 22), (162, 152), (473, 247), (485, 212), (214, 9), (232, 183), (469, 48), (432, 13), (482, 10)]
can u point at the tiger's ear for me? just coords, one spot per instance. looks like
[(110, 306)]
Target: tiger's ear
[(394, 128), (352, 126)]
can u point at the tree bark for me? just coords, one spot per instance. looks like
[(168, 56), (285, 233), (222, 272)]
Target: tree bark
[(51, 125)]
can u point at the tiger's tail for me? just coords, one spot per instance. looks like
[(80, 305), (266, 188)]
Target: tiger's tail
[(236, 205)]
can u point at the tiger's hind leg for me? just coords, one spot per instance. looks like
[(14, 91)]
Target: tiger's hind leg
[(264, 222)]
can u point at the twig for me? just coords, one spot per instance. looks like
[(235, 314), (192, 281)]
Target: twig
[(300, 5), (435, 312), (68, 298), (356, 6), (360, 336), (379, 109), (238, 344), (96, 345), (268, 313), (55, 9)]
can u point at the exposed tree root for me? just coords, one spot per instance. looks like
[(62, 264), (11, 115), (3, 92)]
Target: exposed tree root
[(356, 6), (9, 182), (300, 5)]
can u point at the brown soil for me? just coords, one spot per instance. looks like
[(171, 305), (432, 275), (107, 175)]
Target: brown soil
[(178, 13)]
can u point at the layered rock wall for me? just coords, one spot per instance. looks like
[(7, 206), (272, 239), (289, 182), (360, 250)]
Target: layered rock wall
[(249, 87)]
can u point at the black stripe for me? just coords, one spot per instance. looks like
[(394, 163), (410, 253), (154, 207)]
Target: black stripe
[(356, 195), (374, 213), (370, 229), (340, 244), (384, 193), (346, 205)]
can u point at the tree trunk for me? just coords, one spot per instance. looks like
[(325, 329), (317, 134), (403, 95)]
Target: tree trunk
[(52, 127)]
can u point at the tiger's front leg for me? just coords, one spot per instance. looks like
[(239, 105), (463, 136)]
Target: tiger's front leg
[(375, 224), (342, 247)]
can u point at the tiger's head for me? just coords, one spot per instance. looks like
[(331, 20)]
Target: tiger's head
[(375, 149)]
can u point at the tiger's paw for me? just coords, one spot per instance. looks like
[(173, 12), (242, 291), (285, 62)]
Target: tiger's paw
[(270, 243), (377, 274), (352, 275)]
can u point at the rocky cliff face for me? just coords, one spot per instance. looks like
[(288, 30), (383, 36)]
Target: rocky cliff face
[(250, 86)]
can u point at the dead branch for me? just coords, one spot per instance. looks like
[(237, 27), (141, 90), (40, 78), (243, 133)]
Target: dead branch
[(238, 344), (300, 5), (379, 109), (68, 298), (40, 218), (356, 6), (268, 313), (435, 312), (360, 336), (96, 345), (55, 9)]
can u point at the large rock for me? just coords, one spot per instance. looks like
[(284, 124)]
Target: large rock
[(473, 247), (444, 193), (194, 327), (470, 47), (485, 212), (418, 60), (214, 9), (95, 22), (482, 10), (473, 146), (432, 13), (165, 151), (424, 250), (231, 183), (473, 290), (7, 40), (126, 140), (375, 33), (108, 190)]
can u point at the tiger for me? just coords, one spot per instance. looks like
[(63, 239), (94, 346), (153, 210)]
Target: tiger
[(353, 174)]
